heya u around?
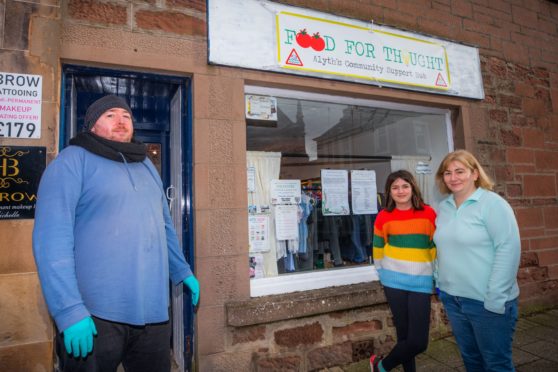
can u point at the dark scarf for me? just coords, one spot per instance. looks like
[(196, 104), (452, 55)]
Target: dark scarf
[(134, 151)]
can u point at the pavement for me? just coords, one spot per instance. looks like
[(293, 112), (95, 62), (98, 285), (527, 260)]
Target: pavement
[(535, 349)]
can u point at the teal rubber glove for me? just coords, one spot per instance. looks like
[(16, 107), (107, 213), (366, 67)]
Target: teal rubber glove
[(192, 283), (78, 338)]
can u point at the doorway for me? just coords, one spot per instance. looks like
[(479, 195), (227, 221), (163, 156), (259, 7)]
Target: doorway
[(161, 112)]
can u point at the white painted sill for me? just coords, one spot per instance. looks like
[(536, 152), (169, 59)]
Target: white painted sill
[(312, 280)]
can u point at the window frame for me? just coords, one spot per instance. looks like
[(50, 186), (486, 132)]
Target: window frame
[(288, 283)]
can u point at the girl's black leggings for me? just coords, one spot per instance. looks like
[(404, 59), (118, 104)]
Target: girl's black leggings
[(411, 316)]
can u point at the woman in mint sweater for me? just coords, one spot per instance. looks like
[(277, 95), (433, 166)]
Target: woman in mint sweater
[(478, 257), (403, 255)]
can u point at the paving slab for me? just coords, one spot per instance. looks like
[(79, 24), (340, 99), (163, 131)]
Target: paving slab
[(540, 365), (445, 352), (544, 350)]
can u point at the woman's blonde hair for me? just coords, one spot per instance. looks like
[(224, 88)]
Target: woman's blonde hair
[(468, 160)]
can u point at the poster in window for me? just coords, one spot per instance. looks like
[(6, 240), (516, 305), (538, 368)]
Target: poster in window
[(251, 174), (363, 192), (256, 266), (258, 227), (286, 222), (335, 192), (21, 168), (285, 192)]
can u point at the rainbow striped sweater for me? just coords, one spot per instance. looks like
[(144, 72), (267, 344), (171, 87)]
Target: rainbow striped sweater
[(404, 250)]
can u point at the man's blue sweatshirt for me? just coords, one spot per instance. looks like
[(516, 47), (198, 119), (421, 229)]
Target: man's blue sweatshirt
[(103, 240)]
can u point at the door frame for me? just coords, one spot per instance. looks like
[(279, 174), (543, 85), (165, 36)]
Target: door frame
[(68, 128)]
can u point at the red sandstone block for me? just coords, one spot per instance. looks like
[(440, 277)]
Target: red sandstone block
[(513, 190), (532, 274), (524, 16), (523, 89), (550, 215), (549, 257), (529, 259), (543, 245), (499, 116), (515, 52), (522, 169), (198, 5), (248, 334), (501, 5), (98, 12), (171, 22), (510, 101), (402, 19), (462, 9), (495, 14), (539, 185), (510, 137), (358, 328), (533, 107), (531, 233), (553, 272), (520, 155), (546, 160), (529, 217), (532, 137), (307, 334)]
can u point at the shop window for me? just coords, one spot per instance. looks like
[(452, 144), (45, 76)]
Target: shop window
[(317, 165)]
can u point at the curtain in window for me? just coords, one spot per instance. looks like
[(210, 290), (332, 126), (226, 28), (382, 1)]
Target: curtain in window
[(267, 166), (415, 165)]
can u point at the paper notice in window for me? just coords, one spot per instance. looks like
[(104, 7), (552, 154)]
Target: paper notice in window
[(286, 222), (335, 192), (258, 230), (364, 192)]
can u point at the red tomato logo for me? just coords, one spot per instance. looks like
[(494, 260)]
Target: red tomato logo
[(303, 39), (317, 43)]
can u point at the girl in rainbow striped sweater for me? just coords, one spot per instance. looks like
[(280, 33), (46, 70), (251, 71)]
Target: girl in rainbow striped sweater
[(404, 253)]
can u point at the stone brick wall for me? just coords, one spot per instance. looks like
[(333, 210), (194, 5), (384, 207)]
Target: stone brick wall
[(29, 44), (514, 131)]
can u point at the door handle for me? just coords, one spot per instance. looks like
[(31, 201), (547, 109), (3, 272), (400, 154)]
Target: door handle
[(169, 193)]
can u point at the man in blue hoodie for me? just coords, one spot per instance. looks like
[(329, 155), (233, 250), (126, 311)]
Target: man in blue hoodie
[(105, 248)]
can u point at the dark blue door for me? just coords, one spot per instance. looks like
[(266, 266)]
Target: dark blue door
[(160, 106)]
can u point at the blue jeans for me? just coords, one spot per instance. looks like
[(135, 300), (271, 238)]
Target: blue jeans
[(484, 338)]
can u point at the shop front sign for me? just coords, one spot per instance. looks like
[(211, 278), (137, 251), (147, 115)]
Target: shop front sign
[(265, 35), (320, 45), (20, 172)]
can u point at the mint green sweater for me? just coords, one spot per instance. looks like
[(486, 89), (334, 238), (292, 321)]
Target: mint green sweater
[(478, 249)]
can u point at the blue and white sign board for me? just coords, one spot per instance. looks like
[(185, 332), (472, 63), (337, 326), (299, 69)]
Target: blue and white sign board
[(300, 41)]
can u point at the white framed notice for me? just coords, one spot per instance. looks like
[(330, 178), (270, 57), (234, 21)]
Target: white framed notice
[(251, 174), (363, 192), (286, 222), (261, 107), (335, 192), (258, 227), (285, 192)]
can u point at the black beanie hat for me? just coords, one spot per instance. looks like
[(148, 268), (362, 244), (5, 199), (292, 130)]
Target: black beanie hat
[(99, 107)]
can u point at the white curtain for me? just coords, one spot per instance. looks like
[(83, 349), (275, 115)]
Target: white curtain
[(420, 167), (267, 166)]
